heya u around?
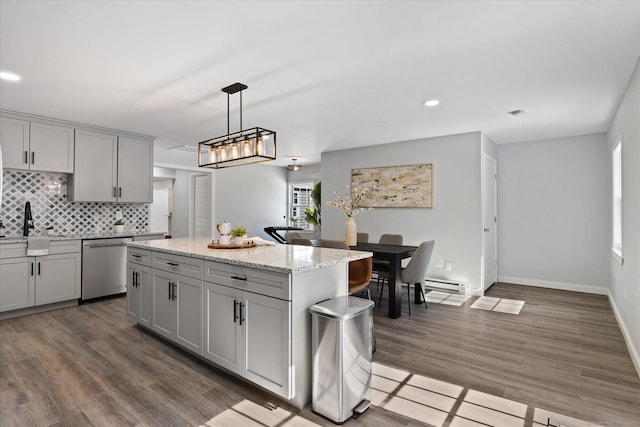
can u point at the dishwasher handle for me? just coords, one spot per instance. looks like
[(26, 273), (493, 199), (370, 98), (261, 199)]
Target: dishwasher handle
[(105, 245)]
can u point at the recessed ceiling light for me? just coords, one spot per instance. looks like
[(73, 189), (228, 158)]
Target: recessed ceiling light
[(12, 77), (431, 103), (516, 113)]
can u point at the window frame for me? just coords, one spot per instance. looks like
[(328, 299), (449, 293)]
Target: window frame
[(290, 204), (617, 198)]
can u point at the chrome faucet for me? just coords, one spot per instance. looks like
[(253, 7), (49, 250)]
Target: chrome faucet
[(28, 220)]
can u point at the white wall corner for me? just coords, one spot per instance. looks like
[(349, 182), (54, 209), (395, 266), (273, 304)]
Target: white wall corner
[(575, 287), (633, 352)]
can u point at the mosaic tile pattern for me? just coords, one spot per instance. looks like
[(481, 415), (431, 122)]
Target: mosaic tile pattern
[(47, 193)]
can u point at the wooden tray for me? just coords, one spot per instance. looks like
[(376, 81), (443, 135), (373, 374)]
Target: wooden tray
[(231, 246)]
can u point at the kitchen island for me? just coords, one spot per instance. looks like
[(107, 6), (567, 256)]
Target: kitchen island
[(244, 310)]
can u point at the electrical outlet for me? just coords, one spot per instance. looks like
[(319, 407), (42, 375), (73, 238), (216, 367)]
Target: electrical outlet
[(447, 266)]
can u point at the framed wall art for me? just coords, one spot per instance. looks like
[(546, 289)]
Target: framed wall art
[(409, 186)]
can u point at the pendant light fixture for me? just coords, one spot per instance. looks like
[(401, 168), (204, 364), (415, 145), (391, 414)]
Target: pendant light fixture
[(244, 147), (294, 167)]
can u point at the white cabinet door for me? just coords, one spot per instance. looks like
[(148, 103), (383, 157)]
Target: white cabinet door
[(14, 139), (135, 170), (133, 292), (266, 338), (57, 278), (164, 306), (189, 301), (222, 334), (95, 177), (17, 287), (52, 148)]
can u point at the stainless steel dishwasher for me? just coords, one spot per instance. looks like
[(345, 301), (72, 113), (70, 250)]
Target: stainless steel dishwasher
[(104, 267)]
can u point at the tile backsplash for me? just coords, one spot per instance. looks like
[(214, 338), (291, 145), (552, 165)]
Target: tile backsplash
[(47, 193)]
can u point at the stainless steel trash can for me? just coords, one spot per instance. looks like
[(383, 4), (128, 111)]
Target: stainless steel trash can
[(342, 347)]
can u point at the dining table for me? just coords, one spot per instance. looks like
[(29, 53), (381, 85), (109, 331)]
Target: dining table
[(393, 254)]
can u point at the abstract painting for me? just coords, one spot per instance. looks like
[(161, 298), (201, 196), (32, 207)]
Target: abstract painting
[(409, 186)]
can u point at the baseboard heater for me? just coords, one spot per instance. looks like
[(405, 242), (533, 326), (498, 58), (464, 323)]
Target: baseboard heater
[(445, 285)]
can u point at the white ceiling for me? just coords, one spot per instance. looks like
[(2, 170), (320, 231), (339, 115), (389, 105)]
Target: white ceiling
[(325, 75)]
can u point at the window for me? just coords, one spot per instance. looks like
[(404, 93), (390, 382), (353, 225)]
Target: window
[(299, 200), (617, 200)]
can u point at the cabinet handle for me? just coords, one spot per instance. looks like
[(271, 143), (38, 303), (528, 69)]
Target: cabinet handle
[(32, 268), (119, 191), (136, 255), (26, 157), (239, 278), (114, 191), (38, 268), (235, 310), (241, 314), (169, 290), (33, 157), (174, 264), (175, 293)]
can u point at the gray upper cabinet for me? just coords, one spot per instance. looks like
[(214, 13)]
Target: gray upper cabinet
[(135, 170), (96, 175), (111, 168), (36, 146)]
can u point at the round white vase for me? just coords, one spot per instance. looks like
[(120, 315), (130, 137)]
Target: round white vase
[(351, 231)]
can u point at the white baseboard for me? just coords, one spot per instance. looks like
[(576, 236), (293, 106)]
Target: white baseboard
[(575, 287), (635, 358), (633, 353)]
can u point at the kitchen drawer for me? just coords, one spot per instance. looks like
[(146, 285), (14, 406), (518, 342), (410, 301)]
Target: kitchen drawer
[(186, 266), (15, 250), (139, 256), (269, 283), (65, 247)]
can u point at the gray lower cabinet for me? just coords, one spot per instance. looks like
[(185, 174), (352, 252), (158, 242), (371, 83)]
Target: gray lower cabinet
[(17, 287), (177, 309), (139, 294), (249, 334), (33, 281)]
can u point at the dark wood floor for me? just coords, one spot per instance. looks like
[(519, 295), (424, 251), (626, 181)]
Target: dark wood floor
[(89, 365)]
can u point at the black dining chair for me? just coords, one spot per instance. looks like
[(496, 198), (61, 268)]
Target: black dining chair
[(363, 238), (381, 268), (301, 241)]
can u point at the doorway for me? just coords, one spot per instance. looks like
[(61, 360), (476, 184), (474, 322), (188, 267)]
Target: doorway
[(160, 211), (489, 221)]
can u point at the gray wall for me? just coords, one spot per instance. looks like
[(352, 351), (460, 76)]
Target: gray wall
[(254, 196), (625, 279), (553, 210), (455, 219)]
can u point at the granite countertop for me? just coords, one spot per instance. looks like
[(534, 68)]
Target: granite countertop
[(82, 236), (280, 258)]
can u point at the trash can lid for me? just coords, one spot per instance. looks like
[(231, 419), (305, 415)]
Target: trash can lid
[(341, 308)]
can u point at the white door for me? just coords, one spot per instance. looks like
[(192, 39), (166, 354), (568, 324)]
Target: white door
[(133, 292), (164, 307), (202, 206), (57, 278), (160, 209), (489, 221)]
